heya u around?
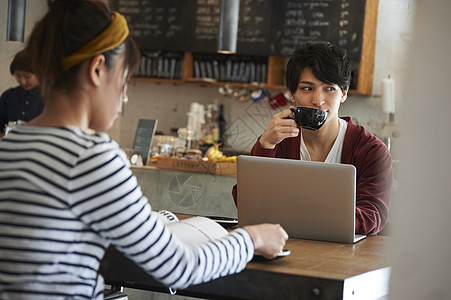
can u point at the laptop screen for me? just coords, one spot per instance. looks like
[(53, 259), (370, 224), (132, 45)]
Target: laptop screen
[(311, 200)]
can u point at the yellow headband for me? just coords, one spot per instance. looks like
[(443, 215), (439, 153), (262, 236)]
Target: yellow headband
[(108, 39)]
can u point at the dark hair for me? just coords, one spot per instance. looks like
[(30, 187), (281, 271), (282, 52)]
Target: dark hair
[(328, 63), (20, 62), (68, 26)]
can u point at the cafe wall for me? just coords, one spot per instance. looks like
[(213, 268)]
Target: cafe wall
[(246, 120), (169, 102)]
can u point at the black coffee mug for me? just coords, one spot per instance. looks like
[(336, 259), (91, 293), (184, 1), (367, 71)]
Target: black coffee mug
[(309, 118)]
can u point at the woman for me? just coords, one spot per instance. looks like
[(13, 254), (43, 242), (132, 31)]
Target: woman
[(318, 75), (66, 194), (22, 102)]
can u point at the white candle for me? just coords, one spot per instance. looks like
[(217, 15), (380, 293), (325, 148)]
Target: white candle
[(388, 95), (192, 116)]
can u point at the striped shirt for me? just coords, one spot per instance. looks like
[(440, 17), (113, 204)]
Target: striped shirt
[(65, 196)]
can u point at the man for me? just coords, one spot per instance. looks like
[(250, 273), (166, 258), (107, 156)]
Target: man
[(318, 76)]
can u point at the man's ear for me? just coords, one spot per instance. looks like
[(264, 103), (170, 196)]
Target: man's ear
[(344, 96), (96, 69), (291, 100)]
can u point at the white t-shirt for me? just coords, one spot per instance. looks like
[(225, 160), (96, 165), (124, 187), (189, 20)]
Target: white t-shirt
[(334, 155)]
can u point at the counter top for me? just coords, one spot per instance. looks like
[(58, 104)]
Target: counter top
[(314, 270)]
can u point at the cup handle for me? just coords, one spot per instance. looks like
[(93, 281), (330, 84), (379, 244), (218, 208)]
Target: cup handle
[(294, 113)]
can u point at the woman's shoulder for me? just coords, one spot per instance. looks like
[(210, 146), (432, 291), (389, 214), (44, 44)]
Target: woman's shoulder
[(70, 137), (91, 140)]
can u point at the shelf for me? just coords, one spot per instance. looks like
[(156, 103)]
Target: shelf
[(275, 78), (275, 75), (208, 81)]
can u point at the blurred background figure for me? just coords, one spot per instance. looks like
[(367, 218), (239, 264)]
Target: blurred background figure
[(21, 103)]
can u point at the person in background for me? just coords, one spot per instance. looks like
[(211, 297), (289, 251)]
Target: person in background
[(318, 75), (21, 103), (67, 193)]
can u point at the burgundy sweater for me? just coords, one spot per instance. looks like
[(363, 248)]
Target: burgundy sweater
[(373, 162)]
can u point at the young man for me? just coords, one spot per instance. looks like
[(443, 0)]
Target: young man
[(22, 102), (318, 75)]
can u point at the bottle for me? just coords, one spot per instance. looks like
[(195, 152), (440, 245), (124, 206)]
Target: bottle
[(208, 135), (214, 124), (222, 124), (201, 125)]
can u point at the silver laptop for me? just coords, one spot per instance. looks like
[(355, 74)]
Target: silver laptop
[(311, 200)]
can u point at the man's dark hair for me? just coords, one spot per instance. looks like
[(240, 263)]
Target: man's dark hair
[(20, 62), (328, 63)]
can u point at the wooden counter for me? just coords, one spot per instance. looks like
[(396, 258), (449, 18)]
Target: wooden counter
[(314, 270)]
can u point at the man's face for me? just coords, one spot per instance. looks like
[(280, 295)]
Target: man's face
[(312, 92), (27, 80)]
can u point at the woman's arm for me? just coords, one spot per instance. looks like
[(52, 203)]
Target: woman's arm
[(117, 210)]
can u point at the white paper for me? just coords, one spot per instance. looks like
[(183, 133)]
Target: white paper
[(197, 230)]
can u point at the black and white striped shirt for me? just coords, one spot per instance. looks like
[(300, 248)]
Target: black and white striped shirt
[(65, 196)]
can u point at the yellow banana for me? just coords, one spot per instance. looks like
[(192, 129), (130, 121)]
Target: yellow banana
[(215, 155), (230, 159)]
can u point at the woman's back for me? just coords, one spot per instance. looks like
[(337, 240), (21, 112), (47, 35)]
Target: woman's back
[(43, 220)]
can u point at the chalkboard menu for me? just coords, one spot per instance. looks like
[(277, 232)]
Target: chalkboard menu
[(143, 137), (155, 24), (255, 27), (266, 27), (337, 21)]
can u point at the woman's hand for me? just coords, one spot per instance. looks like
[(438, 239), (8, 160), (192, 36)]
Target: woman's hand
[(280, 127), (269, 239)]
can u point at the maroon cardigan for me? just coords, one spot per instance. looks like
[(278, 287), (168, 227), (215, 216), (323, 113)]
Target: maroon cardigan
[(373, 162)]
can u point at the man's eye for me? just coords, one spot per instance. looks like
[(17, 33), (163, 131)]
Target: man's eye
[(305, 88), (330, 88)]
